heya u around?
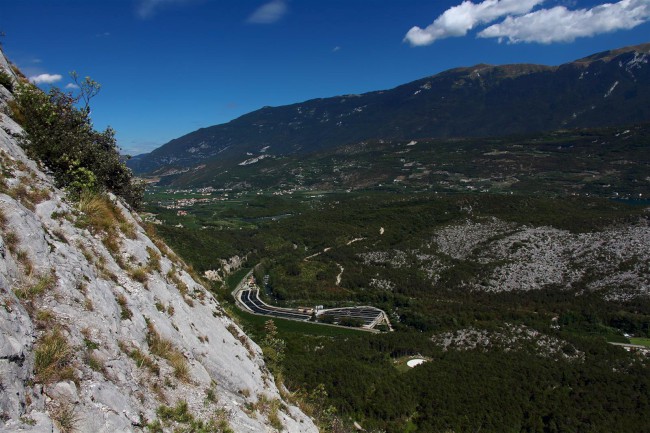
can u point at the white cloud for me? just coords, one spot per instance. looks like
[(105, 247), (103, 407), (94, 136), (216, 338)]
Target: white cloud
[(336, 49), (560, 24), (269, 13), (71, 86), (45, 78), (458, 20), (147, 8)]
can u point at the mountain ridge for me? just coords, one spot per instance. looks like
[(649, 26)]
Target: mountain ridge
[(483, 100)]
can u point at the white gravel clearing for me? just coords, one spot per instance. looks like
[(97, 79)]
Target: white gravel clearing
[(415, 362)]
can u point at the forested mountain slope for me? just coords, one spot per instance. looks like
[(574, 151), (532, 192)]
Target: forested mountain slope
[(609, 88)]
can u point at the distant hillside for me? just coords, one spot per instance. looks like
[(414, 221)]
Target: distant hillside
[(608, 162), (609, 88)]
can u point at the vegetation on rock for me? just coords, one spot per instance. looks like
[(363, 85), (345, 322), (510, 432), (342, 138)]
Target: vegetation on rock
[(62, 137)]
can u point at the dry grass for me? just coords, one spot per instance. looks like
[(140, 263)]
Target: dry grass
[(154, 259), (87, 255), (23, 258), (179, 364), (3, 220), (65, 417), (113, 244), (164, 348), (95, 363), (104, 272), (124, 307), (128, 229), (139, 274), (28, 195), (150, 230), (44, 283), (102, 217), (241, 338), (141, 359), (270, 408), (11, 241), (20, 193), (53, 358), (43, 319), (38, 195), (99, 213), (59, 235), (173, 277)]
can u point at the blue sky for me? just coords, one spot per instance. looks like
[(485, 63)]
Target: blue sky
[(169, 67)]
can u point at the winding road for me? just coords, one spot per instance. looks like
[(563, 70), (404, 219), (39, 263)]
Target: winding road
[(252, 302), (247, 296)]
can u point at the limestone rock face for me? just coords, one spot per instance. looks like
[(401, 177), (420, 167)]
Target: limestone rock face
[(128, 329)]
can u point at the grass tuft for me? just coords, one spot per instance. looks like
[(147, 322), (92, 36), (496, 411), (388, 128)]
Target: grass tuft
[(53, 358), (154, 259), (125, 312), (66, 417), (142, 360), (95, 363), (98, 212), (44, 283), (23, 258), (179, 418), (11, 241), (164, 348), (139, 274)]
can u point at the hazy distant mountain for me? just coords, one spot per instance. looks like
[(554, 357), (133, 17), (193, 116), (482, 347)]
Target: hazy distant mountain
[(609, 88)]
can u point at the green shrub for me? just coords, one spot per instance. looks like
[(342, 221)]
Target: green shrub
[(62, 137), (5, 80)]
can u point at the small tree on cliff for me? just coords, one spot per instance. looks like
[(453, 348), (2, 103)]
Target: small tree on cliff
[(62, 137)]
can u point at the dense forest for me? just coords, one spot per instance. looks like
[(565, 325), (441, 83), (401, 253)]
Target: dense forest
[(542, 362)]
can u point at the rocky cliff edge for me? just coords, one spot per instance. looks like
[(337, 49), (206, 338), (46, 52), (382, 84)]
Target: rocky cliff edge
[(105, 330)]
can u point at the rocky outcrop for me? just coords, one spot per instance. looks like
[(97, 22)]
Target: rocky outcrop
[(614, 261), (508, 337), (227, 267), (106, 331)]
